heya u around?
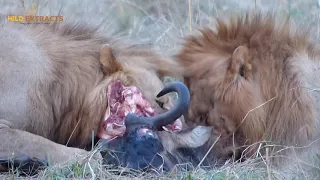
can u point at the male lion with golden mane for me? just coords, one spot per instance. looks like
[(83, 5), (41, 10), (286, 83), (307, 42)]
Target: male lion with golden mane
[(60, 82), (254, 79)]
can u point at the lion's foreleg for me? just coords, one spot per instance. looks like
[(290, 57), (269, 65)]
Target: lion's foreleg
[(18, 146)]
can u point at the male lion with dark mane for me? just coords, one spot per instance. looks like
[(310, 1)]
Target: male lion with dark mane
[(254, 79), (60, 82)]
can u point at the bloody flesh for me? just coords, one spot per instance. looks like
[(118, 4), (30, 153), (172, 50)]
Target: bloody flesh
[(121, 101)]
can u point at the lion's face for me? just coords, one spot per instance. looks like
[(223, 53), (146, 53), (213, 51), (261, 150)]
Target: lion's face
[(226, 96), (228, 86), (246, 80)]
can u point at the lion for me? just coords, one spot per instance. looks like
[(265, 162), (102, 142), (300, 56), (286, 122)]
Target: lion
[(60, 84), (254, 79)]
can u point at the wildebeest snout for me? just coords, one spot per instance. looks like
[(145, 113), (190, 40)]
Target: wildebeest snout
[(138, 150)]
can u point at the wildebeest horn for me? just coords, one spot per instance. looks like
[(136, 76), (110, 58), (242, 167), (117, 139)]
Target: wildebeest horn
[(168, 117)]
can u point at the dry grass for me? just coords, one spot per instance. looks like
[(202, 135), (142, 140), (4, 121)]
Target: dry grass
[(164, 23)]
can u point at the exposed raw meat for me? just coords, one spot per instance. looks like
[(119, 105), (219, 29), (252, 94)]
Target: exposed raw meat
[(121, 101)]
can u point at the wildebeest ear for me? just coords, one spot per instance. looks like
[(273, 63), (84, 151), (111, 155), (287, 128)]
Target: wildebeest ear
[(240, 63), (108, 61), (188, 138)]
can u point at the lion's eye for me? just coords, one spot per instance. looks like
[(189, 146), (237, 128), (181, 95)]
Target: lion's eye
[(160, 103), (241, 71)]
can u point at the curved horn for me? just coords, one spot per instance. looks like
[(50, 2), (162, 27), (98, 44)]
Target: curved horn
[(168, 117)]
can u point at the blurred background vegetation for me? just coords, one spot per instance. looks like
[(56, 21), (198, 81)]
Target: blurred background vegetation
[(165, 22)]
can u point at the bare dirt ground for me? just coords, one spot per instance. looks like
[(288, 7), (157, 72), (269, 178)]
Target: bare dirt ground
[(164, 23)]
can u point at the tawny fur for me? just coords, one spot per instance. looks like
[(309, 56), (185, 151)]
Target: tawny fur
[(251, 76), (77, 85), (54, 83)]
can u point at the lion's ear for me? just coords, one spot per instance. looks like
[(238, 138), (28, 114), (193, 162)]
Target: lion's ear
[(108, 61), (240, 63)]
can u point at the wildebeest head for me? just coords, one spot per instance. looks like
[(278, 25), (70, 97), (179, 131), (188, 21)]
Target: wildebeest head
[(145, 144)]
